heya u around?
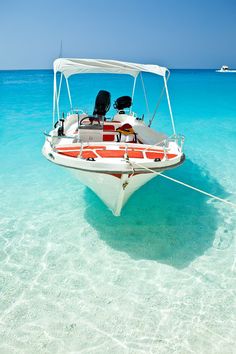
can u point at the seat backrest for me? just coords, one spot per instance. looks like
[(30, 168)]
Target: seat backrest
[(123, 102), (102, 103)]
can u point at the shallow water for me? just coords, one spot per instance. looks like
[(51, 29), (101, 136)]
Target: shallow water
[(158, 279)]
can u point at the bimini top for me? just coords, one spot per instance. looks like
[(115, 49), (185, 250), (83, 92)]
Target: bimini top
[(84, 66)]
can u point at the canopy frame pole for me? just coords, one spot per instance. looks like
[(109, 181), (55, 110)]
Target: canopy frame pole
[(68, 90), (58, 97), (133, 90), (145, 94), (157, 106), (169, 105), (59, 90), (158, 102), (55, 105)]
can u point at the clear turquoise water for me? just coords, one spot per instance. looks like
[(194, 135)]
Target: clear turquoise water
[(158, 279)]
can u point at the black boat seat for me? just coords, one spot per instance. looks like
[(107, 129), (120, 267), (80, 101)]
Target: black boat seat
[(121, 103), (102, 103)]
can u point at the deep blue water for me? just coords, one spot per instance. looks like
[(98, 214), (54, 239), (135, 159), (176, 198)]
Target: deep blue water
[(158, 279)]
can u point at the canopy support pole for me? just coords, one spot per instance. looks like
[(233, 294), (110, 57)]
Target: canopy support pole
[(54, 99), (169, 105), (157, 106), (58, 97), (135, 79), (68, 90), (59, 90), (145, 94), (159, 101)]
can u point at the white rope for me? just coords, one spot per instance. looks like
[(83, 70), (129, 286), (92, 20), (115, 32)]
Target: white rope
[(188, 186), (145, 94)]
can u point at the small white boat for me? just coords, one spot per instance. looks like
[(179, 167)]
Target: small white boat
[(114, 156), (225, 69)]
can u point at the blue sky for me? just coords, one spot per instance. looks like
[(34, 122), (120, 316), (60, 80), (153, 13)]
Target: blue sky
[(173, 33)]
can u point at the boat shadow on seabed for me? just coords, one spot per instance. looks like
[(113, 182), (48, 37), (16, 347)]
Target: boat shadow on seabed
[(162, 221)]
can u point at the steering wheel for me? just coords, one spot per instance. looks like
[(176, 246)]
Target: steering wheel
[(91, 119)]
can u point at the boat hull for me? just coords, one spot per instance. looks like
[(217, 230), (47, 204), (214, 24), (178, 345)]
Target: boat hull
[(114, 180), (113, 189)]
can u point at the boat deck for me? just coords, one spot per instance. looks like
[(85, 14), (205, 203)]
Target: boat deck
[(112, 151)]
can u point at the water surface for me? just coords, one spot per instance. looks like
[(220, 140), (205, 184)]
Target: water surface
[(158, 279)]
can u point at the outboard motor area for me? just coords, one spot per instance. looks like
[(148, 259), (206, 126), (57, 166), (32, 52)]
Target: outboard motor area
[(102, 103), (121, 103)]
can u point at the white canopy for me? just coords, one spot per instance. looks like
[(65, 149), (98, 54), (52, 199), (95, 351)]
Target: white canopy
[(83, 66)]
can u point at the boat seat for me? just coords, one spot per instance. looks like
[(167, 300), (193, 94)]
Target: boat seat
[(121, 103), (102, 103), (101, 107)]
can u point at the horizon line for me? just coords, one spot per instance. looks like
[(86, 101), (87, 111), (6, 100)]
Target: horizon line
[(51, 69)]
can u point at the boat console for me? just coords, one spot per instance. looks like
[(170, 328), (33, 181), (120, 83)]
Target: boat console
[(97, 128)]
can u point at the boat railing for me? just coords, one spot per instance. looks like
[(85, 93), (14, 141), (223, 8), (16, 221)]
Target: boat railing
[(165, 143), (54, 138), (76, 111), (74, 137), (178, 139), (59, 136)]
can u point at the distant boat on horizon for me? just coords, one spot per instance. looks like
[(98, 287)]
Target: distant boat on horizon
[(225, 69)]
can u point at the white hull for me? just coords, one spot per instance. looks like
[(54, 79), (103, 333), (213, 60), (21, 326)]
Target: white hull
[(113, 190)]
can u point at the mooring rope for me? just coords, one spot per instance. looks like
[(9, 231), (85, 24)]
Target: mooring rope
[(187, 185)]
